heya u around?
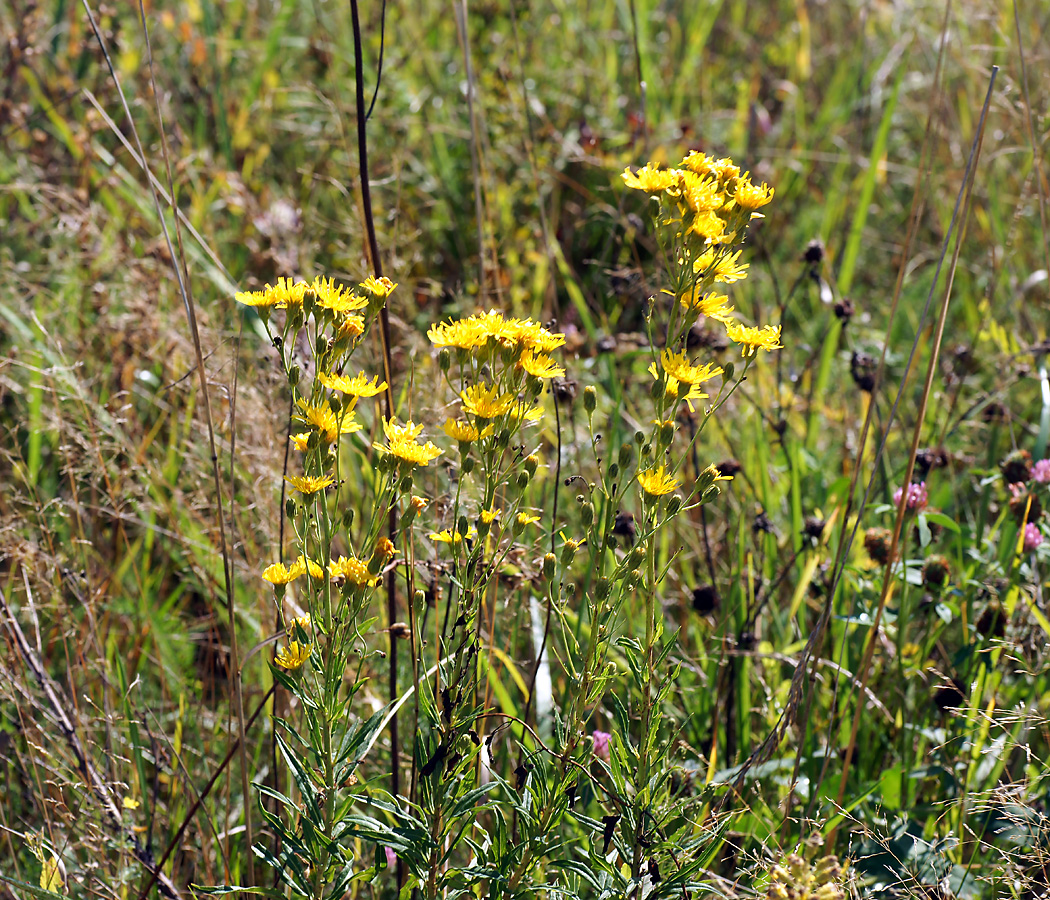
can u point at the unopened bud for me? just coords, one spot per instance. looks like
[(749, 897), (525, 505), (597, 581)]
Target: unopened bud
[(348, 517), (674, 504), (625, 455), (405, 486), (590, 399), (294, 374), (289, 508), (587, 514), (666, 433), (461, 525), (568, 552), (444, 359), (614, 470), (468, 465), (602, 589), (532, 462), (522, 481), (549, 565)]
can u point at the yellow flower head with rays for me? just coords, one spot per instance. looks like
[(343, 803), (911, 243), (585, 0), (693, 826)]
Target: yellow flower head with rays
[(726, 267), (464, 432), (752, 339), (708, 304), (681, 368), (327, 423), (293, 656), (279, 574), (526, 519), (358, 386), (336, 297), (486, 402), (402, 442), (351, 570), (379, 288), (488, 516), (310, 484), (350, 326), (657, 482), (308, 565), (651, 178), (749, 196), (449, 537), (283, 294), (540, 365)]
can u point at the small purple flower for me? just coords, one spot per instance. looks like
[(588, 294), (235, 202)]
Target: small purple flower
[(1041, 471), (601, 744), (917, 496), (1033, 537), (391, 857)]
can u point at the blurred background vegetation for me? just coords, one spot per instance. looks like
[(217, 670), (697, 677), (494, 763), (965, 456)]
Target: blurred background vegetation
[(108, 537)]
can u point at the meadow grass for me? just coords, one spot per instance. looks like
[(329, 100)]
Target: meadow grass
[(827, 699)]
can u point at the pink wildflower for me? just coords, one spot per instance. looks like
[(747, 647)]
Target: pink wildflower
[(601, 744), (391, 857), (1033, 537), (917, 496), (1041, 471)]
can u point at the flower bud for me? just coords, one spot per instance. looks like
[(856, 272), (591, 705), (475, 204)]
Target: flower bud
[(468, 465), (614, 470), (602, 589), (462, 526), (419, 600), (335, 404), (320, 345), (587, 514), (656, 389), (348, 517), (590, 399), (639, 438), (289, 508), (728, 370), (674, 504), (637, 556), (294, 374), (625, 455), (549, 565), (532, 462), (405, 485), (444, 359), (522, 481), (666, 433)]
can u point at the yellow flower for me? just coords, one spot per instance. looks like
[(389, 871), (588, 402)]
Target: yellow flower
[(325, 420), (336, 297), (467, 334), (526, 519), (350, 326), (699, 163), (418, 503), (447, 537), (401, 440), (488, 516), (302, 621), (308, 565), (715, 474), (351, 570), (300, 441), (378, 287), (385, 549), (709, 226), (310, 484), (657, 482), (485, 401), (753, 339), (679, 367), (651, 178), (726, 266), (528, 335), (358, 386), (293, 656), (283, 294), (278, 574), (708, 304), (750, 197), (526, 413), (464, 432), (702, 194), (541, 366)]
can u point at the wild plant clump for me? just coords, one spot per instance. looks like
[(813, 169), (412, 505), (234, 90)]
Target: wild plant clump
[(516, 801)]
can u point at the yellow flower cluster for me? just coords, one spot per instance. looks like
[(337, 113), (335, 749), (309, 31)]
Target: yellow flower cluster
[(475, 332), (403, 442), (709, 202)]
